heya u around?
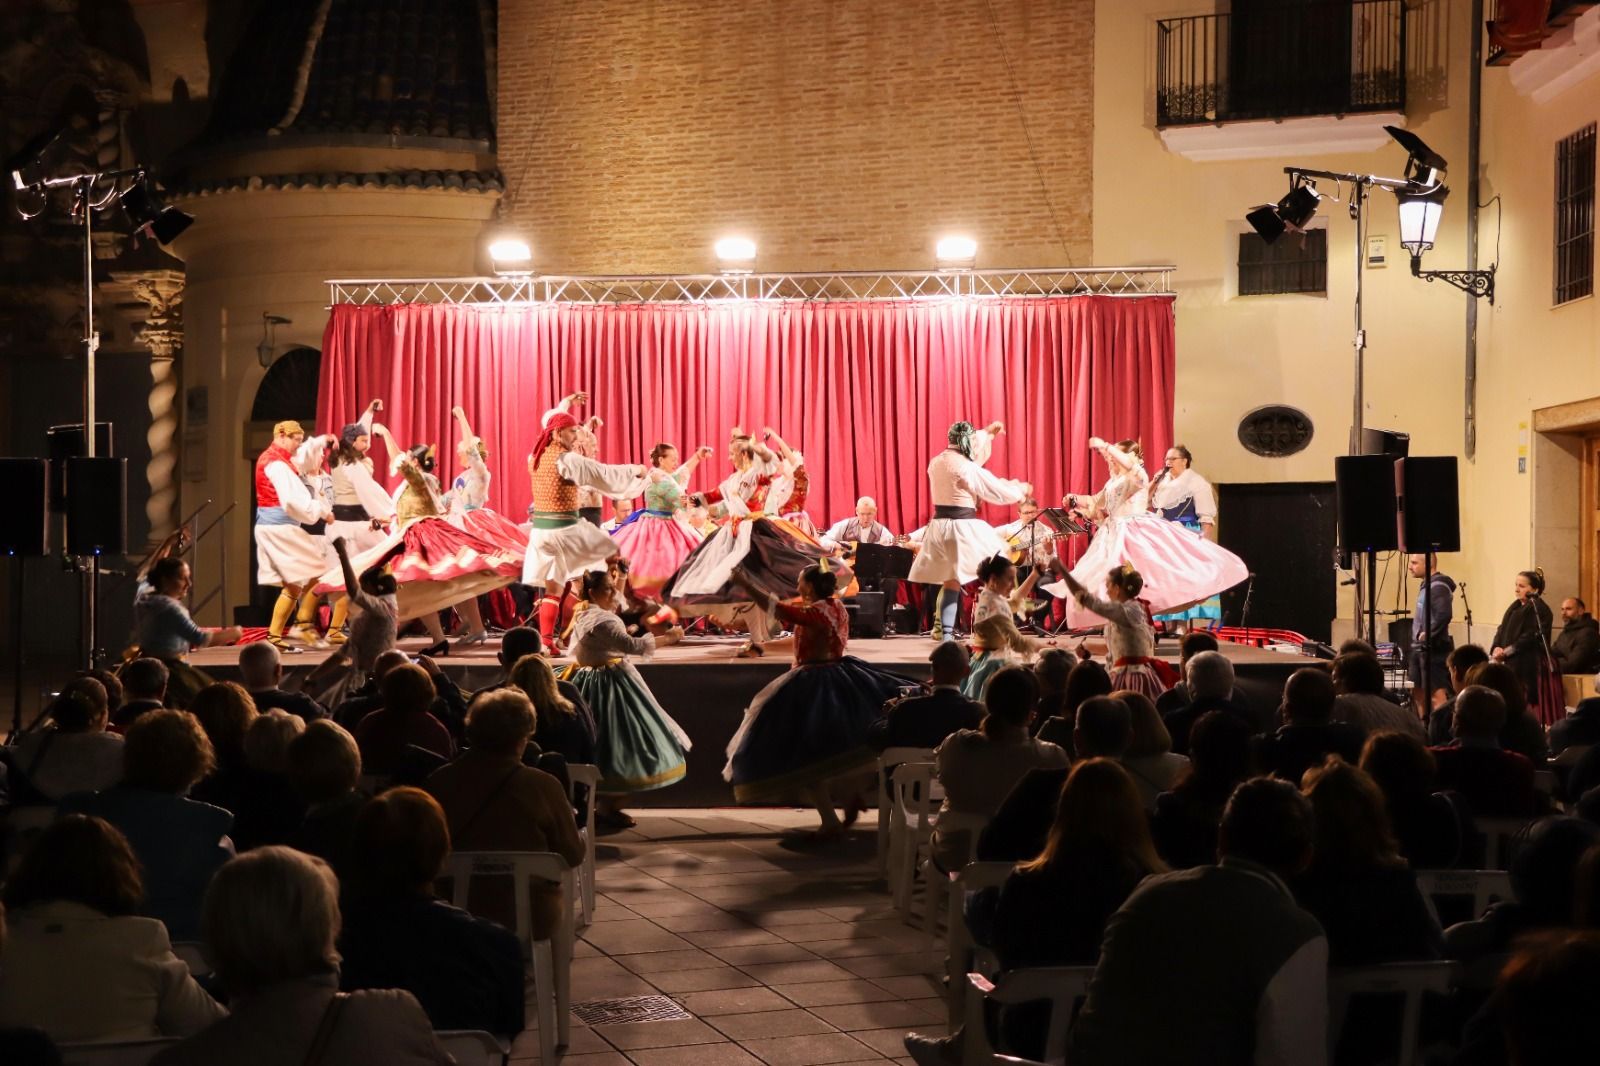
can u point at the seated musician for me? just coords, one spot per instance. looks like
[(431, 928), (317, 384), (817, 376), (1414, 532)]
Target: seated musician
[(862, 528), (1028, 536)]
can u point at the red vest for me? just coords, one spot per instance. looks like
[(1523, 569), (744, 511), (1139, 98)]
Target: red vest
[(266, 495)]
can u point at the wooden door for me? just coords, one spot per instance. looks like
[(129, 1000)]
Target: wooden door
[(1589, 548)]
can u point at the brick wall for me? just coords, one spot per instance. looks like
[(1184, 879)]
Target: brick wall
[(838, 134)]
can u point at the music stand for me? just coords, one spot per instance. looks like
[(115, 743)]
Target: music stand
[(874, 562)]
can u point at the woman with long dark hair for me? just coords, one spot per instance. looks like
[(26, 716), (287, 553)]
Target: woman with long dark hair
[(1523, 643)]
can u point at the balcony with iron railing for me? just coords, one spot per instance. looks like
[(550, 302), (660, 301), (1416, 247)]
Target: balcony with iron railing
[(1517, 27)]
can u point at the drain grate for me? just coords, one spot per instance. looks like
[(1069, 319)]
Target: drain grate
[(629, 1009)]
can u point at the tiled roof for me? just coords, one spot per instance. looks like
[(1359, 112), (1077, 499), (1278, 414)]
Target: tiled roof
[(448, 180), (390, 68)]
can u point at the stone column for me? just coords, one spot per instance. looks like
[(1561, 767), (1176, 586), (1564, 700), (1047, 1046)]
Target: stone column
[(161, 293)]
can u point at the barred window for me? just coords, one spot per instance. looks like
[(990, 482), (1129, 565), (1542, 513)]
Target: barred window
[(1575, 215), (1294, 263)]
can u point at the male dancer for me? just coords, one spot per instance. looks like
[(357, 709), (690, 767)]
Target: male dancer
[(586, 444), (956, 540), (289, 544), (561, 545)]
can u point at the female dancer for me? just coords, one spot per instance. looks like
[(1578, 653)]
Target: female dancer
[(1130, 638), (638, 746), (468, 498), (772, 551), (956, 542), (810, 725), (435, 563), (1178, 567), (361, 507), (994, 628), (657, 539), (1523, 643), (786, 496), (1180, 495)]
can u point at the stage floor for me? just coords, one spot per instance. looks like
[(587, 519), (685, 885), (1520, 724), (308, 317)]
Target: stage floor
[(705, 687)]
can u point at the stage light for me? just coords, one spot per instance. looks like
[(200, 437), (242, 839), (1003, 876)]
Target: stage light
[(736, 255), (149, 215), (268, 348), (1289, 214), (511, 255), (1420, 212), (955, 252), (1424, 166)]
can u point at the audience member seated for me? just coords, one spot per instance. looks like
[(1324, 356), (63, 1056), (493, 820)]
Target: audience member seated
[(1543, 889), (1087, 680), (362, 701), (1363, 700), (1579, 729), (269, 811), (1209, 676), (1431, 827), (179, 842), (404, 720), (1307, 735), (77, 963), (144, 688), (924, 721), (1495, 783), (979, 767), (1185, 821), (110, 683), (465, 971), (74, 753), (1460, 660), (1233, 969), (1534, 1016), (1053, 669), (271, 921), (262, 670), (225, 711), (1149, 759), (1190, 644), (163, 628), (493, 802), (324, 770), (1522, 732), (1052, 911), (562, 726), (1021, 827), (1358, 886), (1576, 648)]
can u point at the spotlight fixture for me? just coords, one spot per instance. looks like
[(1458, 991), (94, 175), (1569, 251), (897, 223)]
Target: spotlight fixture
[(511, 255), (955, 252), (149, 215), (269, 337), (1290, 214), (736, 255)]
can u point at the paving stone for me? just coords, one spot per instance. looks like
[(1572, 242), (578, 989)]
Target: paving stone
[(907, 1014), (733, 1001), (631, 1035), (791, 1022), (740, 955), (673, 982), (790, 973), (623, 938), (744, 936), (824, 993), (724, 1054), (656, 961), (816, 1050)]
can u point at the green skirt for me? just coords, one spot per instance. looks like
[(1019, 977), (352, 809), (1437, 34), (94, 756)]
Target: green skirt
[(639, 746)]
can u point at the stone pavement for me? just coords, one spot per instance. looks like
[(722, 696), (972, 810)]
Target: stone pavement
[(781, 953)]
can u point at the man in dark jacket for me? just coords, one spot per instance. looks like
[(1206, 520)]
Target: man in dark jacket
[(1431, 643), (1307, 735), (924, 721), (1495, 783), (1577, 646)]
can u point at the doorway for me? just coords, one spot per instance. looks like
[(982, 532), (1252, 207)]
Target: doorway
[(1284, 532)]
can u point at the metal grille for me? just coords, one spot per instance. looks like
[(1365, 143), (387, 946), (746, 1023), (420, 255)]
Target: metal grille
[(1574, 266), (1292, 263), (704, 288), (629, 1009)]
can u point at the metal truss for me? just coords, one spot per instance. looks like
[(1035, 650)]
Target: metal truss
[(705, 288)]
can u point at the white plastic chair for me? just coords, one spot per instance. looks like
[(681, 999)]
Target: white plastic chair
[(952, 827), (589, 777), (472, 1047), (1063, 986), (958, 937), (891, 758), (193, 954), (910, 826), (1483, 886), (1499, 835), (1409, 979), (552, 958), (114, 1053)]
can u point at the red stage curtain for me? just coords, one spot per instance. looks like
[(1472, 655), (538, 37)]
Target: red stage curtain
[(865, 389)]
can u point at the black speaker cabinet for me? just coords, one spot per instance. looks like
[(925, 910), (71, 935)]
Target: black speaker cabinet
[(866, 615), (1427, 504), (1365, 490), (97, 506), (66, 442), (23, 519)]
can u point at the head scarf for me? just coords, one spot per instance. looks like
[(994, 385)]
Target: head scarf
[(961, 438), (557, 423)]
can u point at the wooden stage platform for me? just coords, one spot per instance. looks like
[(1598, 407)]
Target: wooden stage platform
[(703, 685)]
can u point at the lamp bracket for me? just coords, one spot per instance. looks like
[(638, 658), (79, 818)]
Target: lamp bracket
[(1473, 282)]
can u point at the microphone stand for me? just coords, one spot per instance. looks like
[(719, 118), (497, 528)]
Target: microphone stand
[(1468, 605), (1244, 610)]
